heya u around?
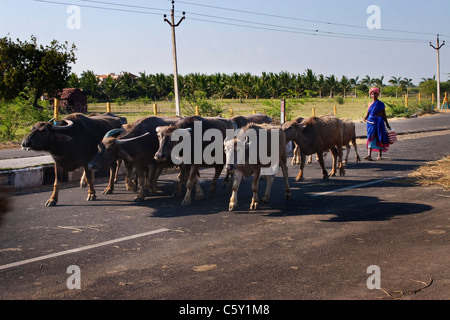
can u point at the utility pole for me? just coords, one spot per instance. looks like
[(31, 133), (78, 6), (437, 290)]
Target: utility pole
[(175, 67), (437, 48)]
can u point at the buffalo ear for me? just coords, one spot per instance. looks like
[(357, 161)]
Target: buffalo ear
[(62, 137)]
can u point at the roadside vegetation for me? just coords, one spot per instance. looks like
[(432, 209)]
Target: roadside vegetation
[(433, 173), (31, 73)]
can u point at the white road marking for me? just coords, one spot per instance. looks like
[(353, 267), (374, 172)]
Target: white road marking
[(353, 187), (66, 252)]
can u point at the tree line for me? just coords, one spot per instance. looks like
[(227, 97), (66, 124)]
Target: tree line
[(30, 70), (233, 86)]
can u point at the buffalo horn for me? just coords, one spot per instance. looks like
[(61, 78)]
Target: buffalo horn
[(113, 132), (120, 141), (68, 125)]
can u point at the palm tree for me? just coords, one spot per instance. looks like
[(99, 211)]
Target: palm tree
[(406, 83), (354, 82), (332, 84), (89, 84), (379, 82), (345, 84), (321, 85), (395, 81)]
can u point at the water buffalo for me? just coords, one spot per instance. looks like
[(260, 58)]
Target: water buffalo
[(72, 143), (246, 167), (316, 135), (348, 137), (137, 147), (187, 126), (258, 118)]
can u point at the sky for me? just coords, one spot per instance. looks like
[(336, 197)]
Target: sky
[(225, 36)]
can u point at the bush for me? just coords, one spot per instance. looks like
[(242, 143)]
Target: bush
[(398, 110), (18, 114), (272, 109), (340, 100), (206, 108)]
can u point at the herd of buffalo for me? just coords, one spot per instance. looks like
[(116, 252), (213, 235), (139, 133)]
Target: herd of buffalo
[(146, 147)]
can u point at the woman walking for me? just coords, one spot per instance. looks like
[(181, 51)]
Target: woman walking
[(377, 137)]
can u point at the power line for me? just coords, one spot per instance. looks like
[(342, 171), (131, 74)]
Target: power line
[(243, 23), (301, 19)]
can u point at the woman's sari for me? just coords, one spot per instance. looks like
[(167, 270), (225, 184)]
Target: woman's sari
[(377, 137)]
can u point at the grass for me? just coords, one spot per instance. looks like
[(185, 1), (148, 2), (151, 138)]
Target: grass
[(352, 108), (349, 108), (433, 173)]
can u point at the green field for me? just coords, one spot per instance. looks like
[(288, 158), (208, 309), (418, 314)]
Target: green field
[(349, 108), (352, 108)]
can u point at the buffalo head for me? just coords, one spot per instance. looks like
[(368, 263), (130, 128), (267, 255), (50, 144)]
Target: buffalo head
[(44, 134)]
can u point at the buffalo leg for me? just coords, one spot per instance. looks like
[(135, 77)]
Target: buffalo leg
[(90, 181), (142, 185), (302, 166), (192, 175), (358, 159), (112, 178), (236, 183), (218, 170), (334, 154), (255, 183), (322, 165), (266, 196), (116, 174), (287, 191), (198, 189), (54, 197), (341, 165), (130, 185)]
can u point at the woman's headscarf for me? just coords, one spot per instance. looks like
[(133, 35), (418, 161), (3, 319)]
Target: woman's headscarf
[(374, 90)]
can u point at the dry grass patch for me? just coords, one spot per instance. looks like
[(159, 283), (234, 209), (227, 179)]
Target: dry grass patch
[(433, 173)]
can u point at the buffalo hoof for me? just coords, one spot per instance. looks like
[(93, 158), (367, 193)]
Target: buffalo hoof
[(91, 197), (186, 202), (299, 179), (139, 198), (254, 205), (342, 173), (108, 191), (51, 203), (287, 195), (199, 196), (232, 206)]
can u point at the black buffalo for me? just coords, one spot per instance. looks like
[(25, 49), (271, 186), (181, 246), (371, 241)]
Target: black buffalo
[(72, 144)]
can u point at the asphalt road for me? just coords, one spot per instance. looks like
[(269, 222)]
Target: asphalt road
[(317, 245)]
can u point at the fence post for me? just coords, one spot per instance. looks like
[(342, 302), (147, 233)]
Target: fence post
[(197, 111), (283, 111), (155, 109), (314, 112), (231, 112), (108, 107), (335, 110), (56, 110), (406, 101)]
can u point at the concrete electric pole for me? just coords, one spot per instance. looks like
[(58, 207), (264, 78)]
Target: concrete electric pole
[(175, 67), (437, 48)]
